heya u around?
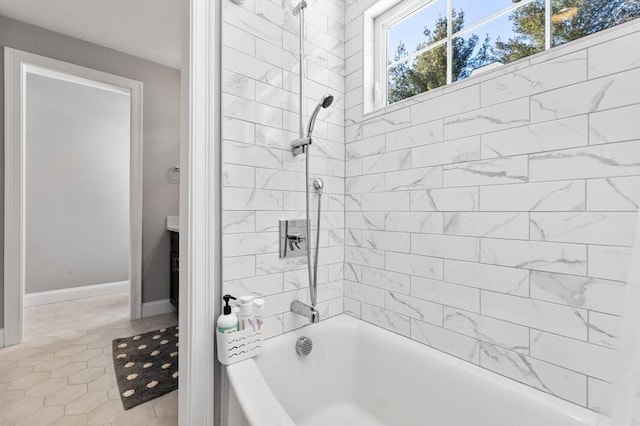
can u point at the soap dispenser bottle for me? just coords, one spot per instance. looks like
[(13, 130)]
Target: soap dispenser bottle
[(228, 321)]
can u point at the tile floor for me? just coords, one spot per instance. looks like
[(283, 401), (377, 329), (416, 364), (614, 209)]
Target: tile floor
[(63, 372)]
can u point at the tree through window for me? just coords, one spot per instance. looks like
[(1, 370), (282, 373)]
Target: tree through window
[(421, 54)]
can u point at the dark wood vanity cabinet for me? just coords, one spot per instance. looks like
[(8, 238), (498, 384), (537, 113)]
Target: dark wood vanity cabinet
[(174, 268)]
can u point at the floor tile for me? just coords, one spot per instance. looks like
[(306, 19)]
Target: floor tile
[(63, 372)]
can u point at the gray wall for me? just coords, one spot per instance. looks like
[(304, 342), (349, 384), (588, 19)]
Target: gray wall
[(77, 184), (161, 135)]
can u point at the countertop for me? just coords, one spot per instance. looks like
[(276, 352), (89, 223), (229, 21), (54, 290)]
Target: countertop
[(173, 223)]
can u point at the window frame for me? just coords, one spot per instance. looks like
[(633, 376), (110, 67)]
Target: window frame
[(381, 17), (392, 16)]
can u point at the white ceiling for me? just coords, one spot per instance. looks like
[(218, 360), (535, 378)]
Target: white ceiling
[(150, 29)]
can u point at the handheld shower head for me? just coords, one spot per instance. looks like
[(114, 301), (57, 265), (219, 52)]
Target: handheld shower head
[(325, 102)]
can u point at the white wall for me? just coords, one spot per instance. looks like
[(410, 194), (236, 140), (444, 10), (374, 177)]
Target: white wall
[(493, 219), (77, 184), (262, 181)]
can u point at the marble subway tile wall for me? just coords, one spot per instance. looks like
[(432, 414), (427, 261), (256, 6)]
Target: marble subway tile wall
[(493, 219), (262, 181)]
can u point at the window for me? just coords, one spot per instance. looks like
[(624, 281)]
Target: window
[(421, 45)]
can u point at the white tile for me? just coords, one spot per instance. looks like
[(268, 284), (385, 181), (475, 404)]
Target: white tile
[(555, 380), (619, 159), (256, 69), (490, 119), (238, 267), (365, 147), (422, 266), (274, 138), (364, 256), (560, 134), (242, 221), (614, 56), (386, 201), (446, 246), (244, 109), (238, 39), (604, 329), (352, 307), (563, 320), (614, 194), (458, 296), (279, 180), (600, 396), (592, 360), (415, 136), (581, 292), (269, 221), (413, 179), (251, 155), (385, 240), (454, 151), (607, 228), (272, 264), (445, 199), (545, 196), (366, 220), (388, 162), (254, 24), (614, 125), (238, 176), (366, 183), (264, 285), (609, 262), (563, 71), (419, 309), (276, 55), (445, 340), (496, 225), (250, 243), (490, 330), (281, 302), (389, 122), (487, 172), (461, 150), (251, 199), (294, 280), (429, 222), (488, 277), (542, 256), (386, 319), (449, 104), (594, 95), (388, 280), (238, 85), (364, 293), (238, 130)]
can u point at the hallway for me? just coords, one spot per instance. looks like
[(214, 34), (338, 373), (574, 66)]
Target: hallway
[(62, 374)]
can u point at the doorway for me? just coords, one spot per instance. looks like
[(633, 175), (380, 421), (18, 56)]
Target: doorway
[(118, 258)]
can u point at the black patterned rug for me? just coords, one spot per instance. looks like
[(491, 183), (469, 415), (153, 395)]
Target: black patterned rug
[(146, 365)]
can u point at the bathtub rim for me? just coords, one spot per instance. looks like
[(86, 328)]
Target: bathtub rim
[(277, 413)]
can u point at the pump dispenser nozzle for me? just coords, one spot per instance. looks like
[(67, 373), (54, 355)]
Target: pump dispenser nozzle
[(227, 308), (228, 321)]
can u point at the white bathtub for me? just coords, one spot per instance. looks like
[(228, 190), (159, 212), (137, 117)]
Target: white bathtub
[(359, 374)]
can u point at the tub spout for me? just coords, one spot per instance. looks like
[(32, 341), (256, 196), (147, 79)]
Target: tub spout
[(305, 310)]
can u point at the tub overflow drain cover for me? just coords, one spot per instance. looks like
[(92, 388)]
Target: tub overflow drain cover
[(304, 345)]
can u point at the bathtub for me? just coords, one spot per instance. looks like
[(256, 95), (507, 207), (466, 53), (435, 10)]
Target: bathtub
[(360, 374)]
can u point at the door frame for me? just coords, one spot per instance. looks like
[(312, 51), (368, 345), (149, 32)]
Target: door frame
[(200, 214), (16, 65)]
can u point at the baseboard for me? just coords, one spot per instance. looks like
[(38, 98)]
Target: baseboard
[(157, 307), (66, 294), (1, 337)]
